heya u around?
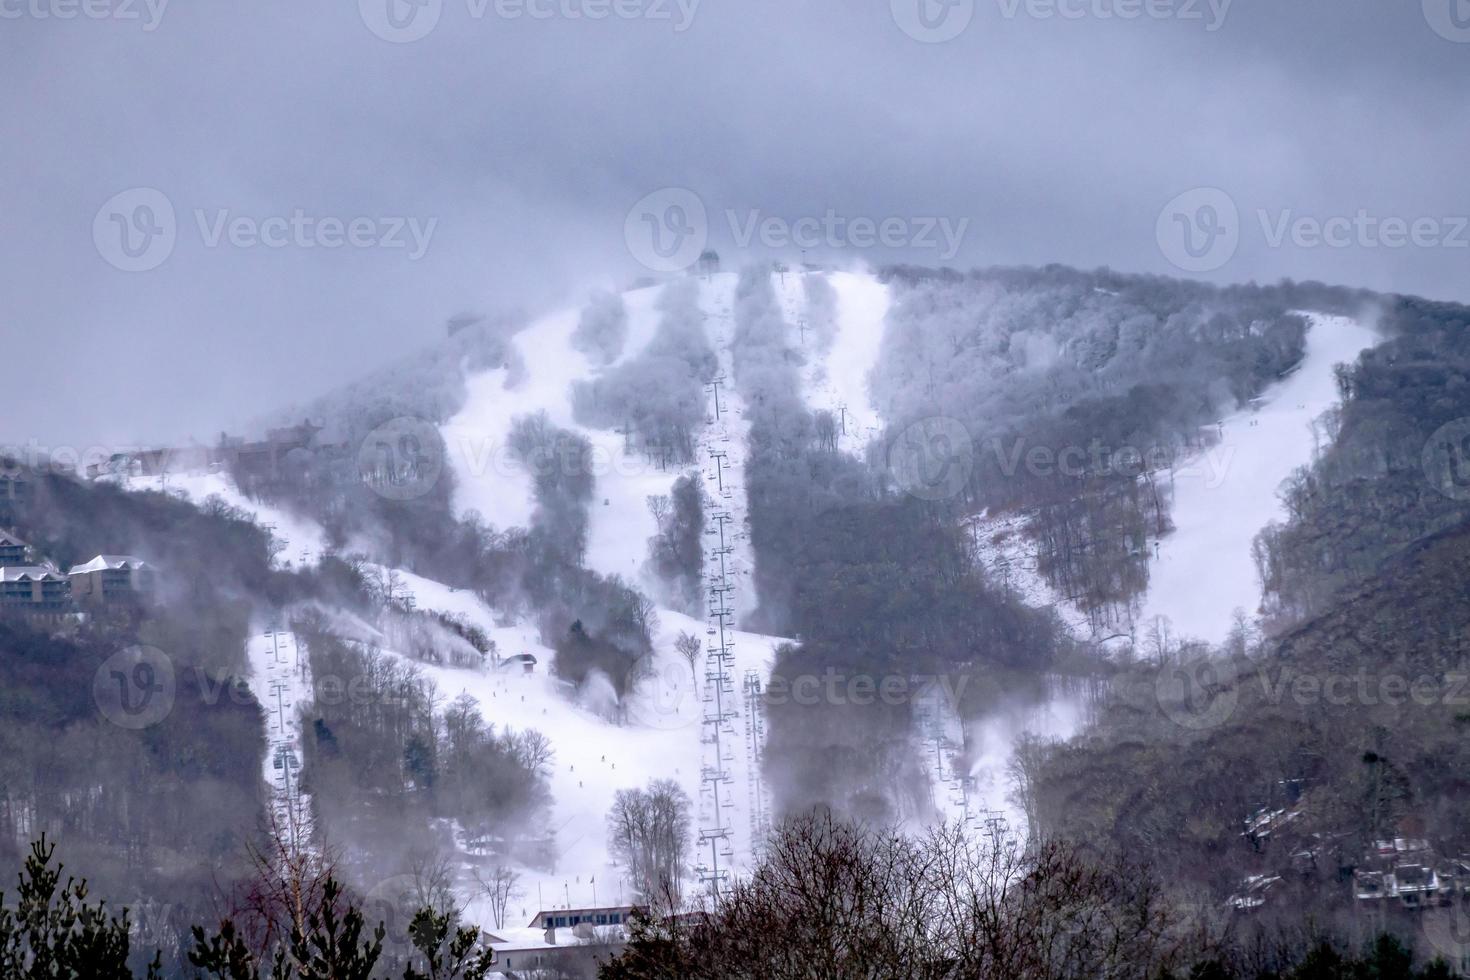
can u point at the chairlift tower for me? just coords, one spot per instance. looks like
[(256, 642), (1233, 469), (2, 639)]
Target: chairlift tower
[(755, 740), (714, 386)]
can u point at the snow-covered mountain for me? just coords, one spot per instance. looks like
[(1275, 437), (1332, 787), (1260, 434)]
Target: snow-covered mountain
[(698, 724)]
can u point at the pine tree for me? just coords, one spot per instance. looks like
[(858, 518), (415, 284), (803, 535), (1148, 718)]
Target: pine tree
[(53, 933)]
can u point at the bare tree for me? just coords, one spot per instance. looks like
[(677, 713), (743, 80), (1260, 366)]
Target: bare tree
[(832, 899), (500, 885), (291, 874), (534, 751), (649, 832), (432, 878), (689, 648), (659, 506)]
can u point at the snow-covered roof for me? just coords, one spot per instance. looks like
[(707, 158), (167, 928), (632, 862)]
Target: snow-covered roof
[(10, 539), (109, 562), (532, 940), (27, 573), (520, 940)]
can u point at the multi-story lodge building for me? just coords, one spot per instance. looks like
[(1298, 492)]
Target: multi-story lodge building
[(12, 550), (33, 588), (108, 578)]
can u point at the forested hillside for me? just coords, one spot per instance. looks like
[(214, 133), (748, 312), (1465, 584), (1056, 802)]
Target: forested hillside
[(1349, 712), (454, 664), (1079, 393)]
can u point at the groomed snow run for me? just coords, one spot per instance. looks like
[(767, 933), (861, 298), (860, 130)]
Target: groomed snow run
[(835, 379), (594, 757), (490, 481), (1226, 495), (302, 539)]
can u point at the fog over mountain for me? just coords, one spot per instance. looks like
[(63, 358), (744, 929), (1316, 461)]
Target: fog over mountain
[(701, 490), (1057, 131)]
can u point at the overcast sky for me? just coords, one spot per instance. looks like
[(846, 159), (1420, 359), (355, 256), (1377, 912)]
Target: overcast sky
[(408, 160)]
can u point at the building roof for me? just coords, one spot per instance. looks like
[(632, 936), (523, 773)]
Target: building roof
[(28, 573), (530, 940), (110, 563), (585, 910), (519, 940)]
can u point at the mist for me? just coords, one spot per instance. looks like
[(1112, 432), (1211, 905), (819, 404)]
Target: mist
[(517, 139)]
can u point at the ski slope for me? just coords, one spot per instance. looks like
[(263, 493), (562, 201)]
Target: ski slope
[(987, 800), (302, 541), (835, 378), (594, 757), (1203, 571), (732, 813), (280, 680), (666, 731), (490, 481), (1226, 495)]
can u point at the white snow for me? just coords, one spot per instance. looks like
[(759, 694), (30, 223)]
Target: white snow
[(1204, 569), (1010, 559), (862, 307), (989, 798), (1225, 496), (594, 756), (280, 680), (664, 731), (836, 380), (488, 479), (732, 810), (302, 539)]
